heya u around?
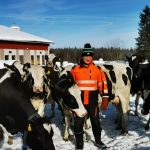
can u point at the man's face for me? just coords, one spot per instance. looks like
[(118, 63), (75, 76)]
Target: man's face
[(87, 59)]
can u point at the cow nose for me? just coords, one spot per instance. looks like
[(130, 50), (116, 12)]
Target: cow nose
[(84, 114), (38, 89)]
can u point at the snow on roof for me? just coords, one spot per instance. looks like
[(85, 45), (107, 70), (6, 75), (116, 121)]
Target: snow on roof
[(15, 34)]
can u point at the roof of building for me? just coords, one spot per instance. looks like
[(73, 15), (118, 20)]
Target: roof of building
[(15, 34)]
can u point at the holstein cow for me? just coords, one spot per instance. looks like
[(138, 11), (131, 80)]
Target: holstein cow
[(68, 94), (119, 83), (39, 88), (18, 114), (135, 85), (141, 81), (33, 77), (87, 124)]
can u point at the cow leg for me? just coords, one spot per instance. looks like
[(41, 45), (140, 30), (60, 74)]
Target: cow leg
[(52, 110), (124, 123), (125, 113), (50, 100), (4, 130), (137, 103), (119, 117), (117, 103), (147, 126), (87, 125), (67, 115)]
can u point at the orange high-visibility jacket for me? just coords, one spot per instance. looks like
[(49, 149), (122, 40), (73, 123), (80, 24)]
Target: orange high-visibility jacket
[(91, 78)]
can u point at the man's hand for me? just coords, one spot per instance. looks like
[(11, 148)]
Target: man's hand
[(104, 103)]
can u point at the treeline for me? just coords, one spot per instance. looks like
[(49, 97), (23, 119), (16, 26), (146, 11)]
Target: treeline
[(108, 54), (112, 53)]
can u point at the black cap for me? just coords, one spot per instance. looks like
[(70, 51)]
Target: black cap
[(87, 51)]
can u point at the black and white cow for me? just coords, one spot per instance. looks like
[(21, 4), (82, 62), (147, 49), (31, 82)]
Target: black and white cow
[(39, 89), (33, 77), (67, 92), (135, 85), (18, 114), (141, 81), (119, 83)]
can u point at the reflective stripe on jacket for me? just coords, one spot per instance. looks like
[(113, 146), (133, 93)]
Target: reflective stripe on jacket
[(90, 78)]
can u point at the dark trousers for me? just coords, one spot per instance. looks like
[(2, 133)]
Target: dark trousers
[(93, 113)]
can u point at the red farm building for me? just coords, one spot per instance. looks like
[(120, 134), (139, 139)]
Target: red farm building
[(24, 47)]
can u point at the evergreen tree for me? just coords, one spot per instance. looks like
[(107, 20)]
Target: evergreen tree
[(143, 41)]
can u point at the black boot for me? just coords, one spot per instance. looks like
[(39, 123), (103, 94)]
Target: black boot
[(79, 141), (98, 143)]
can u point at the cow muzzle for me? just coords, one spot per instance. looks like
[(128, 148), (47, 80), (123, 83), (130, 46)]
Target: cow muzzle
[(37, 89), (84, 114), (81, 114)]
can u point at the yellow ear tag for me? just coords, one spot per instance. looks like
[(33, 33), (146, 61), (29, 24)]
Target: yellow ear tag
[(29, 127), (48, 72)]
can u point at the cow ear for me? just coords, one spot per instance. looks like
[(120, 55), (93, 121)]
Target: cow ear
[(45, 68), (26, 67), (12, 67), (129, 59), (7, 66)]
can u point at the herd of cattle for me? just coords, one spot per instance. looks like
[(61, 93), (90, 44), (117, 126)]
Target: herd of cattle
[(25, 90)]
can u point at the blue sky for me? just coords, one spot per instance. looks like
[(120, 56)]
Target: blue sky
[(71, 23)]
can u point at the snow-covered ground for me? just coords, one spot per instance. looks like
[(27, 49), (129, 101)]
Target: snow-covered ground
[(138, 138)]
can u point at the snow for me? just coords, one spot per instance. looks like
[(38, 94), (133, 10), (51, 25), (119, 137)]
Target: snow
[(137, 139)]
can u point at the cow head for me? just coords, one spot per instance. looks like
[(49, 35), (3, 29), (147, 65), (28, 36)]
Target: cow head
[(70, 93), (62, 82), (134, 63), (140, 81), (54, 61), (37, 72), (38, 137), (146, 105), (137, 65)]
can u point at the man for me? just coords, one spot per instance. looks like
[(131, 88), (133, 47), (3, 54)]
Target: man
[(91, 80)]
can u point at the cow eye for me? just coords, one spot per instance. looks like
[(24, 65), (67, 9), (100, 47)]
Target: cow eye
[(70, 101)]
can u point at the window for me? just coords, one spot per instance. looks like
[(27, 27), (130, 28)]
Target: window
[(21, 59), (13, 57), (43, 59), (32, 60), (6, 57), (38, 60)]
